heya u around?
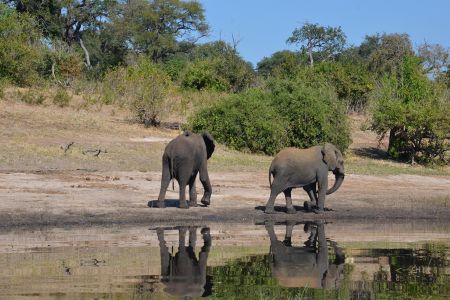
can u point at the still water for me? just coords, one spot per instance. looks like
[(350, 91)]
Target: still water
[(228, 261)]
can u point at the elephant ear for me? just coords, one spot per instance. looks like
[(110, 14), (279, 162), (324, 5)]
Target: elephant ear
[(329, 156), (209, 142)]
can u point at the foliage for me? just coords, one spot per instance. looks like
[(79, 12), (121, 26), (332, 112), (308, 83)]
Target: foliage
[(204, 74), (313, 112), (244, 122), (61, 98), (386, 52), (21, 54), (415, 112), (281, 64), (352, 82), (153, 27), (435, 58), (144, 88), (217, 66), (325, 41), (289, 114)]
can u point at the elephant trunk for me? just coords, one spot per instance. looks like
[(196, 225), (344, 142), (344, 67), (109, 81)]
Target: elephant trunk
[(339, 179)]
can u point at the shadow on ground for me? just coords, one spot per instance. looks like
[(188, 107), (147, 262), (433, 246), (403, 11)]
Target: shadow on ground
[(280, 208), (372, 152)]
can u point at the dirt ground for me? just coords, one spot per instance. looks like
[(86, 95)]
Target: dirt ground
[(40, 184), (69, 198)]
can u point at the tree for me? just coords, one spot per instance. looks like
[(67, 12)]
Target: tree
[(21, 51), (435, 58), (415, 112), (281, 64), (324, 41), (387, 52), (156, 27)]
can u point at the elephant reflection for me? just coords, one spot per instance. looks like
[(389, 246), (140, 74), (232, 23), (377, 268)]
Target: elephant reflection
[(306, 266), (183, 274)]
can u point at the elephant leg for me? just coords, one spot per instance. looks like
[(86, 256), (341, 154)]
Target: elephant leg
[(275, 190), (288, 236), (182, 239), (289, 208), (323, 186), (204, 178), (164, 253), (192, 191), (183, 203), (311, 190), (192, 237), (165, 180)]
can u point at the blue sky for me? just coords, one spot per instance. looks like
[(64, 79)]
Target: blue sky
[(262, 26)]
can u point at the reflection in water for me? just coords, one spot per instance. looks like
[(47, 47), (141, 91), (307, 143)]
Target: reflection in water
[(246, 262), (308, 265), (183, 274)]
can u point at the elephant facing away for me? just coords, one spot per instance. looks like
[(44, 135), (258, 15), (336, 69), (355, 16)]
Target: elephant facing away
[(183, 158), (306, 266), (307, 168), (183, 274)]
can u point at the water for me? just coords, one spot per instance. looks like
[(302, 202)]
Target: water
[(228, 261)]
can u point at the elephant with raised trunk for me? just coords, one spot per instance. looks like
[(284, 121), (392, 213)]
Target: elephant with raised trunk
[(307, 168), (307, 265), (183, 158)]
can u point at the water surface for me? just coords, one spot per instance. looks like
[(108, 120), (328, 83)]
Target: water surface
[(228, 261)]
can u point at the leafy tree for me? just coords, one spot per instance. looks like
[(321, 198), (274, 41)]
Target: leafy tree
[(388, 52), (155, 27), (415, 112), (219, 66), (21, 51), (435, 58), (324, 41)]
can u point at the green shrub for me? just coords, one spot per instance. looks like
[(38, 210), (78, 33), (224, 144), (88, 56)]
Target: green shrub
[(61, 98), (21, 53), (203, 75), (143, 88), (245, 121), (314, 113), (31, 96), (288, 114)]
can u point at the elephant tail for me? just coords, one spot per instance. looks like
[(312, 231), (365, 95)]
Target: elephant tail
[(270, 179), (171, 174)]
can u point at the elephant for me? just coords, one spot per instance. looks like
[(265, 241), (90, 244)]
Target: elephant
[(182, 274), (306, 266), (293, 167), (183, 158)]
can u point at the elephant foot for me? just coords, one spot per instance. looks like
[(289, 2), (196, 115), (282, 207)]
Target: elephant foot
[(183, 204), (205, 201), (269, 210), (308, 206), (318, 211), (291, 210), (160, 204), (193, 204)]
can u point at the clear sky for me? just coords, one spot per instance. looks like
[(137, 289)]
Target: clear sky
[(262, 26)]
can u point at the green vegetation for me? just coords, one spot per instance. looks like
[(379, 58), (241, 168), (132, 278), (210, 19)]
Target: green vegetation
[(145, 56)]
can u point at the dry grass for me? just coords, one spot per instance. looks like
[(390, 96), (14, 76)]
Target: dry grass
[(31, 137)]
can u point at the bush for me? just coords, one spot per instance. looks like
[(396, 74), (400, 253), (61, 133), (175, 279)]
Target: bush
[(314, 113), (416, 114), (245, 121), (288, 114), (203, 75), (143, 88), (21, 54), (61, 98)]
